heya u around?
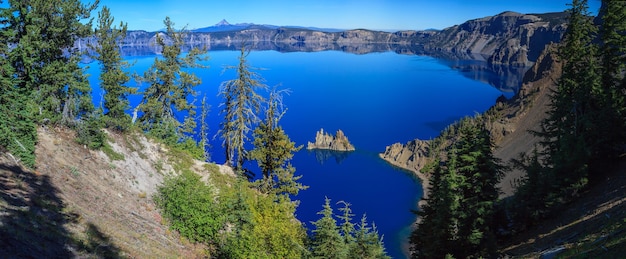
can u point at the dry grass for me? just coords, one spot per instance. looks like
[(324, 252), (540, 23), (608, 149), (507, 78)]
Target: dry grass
[(93, 204)]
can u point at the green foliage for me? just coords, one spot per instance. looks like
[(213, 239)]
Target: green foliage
[(17, 129), (45, 59), (327, 241), (269, 232), (191, 147), (240, 108), (367, 243), (40, 78), (273, 151), (112, 76), (89, 131), (345, 241), (108, 150), (191, 208), (458, 218), (585, 129), (612, 93), (231, 217), (569, 128), (169, 87), (204, 130)]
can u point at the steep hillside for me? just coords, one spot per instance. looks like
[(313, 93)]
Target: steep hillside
[(507, 38), (524, 115), (83, 203)]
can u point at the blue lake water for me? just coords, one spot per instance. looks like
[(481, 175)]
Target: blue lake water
[(377, 99)]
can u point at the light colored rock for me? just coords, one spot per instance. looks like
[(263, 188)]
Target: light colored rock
[(323, 140), (411, 156)]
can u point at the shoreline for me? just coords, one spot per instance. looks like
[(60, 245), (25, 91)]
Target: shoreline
[(405, 246)]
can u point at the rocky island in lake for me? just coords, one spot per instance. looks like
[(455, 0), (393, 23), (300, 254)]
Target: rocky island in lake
[(323, 140)]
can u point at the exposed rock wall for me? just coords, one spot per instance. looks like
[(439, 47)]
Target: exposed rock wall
[(411, 156), (507, 38), (324, 140)]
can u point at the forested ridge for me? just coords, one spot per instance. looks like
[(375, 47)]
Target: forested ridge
[(42, 84), (582, 140)]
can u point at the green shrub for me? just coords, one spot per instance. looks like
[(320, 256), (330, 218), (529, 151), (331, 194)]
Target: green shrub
[(89, 131), (191, 208)]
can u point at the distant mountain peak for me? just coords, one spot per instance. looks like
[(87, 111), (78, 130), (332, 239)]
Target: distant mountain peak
[(223, 22)]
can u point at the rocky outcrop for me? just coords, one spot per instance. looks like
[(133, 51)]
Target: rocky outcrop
[(411, 156), (507, 38), (323, 140)]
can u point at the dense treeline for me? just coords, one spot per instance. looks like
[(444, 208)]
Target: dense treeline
[(583, 134), (582, 137), (458, 218), (41, 83)]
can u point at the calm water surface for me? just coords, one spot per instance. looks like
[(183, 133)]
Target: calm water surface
[(376, 99)]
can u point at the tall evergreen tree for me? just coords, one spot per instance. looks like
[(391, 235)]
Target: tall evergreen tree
[(273, 151), (480, 171), (17, 129), (569, 130), (612, 94), (367, 243), (112, 75), (169, 87), (457, 220), (435, 232), (347, 229), (327, 241), (240, 109), (45, 59), (204, 129)]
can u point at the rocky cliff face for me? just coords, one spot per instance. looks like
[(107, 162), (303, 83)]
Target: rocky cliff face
[(507, 38), (323, 140), (410, 156), (281, 39)]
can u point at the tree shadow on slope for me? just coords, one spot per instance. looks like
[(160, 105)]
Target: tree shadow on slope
[(592, 227), (33, 220)]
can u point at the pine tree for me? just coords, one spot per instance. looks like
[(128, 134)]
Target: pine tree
[(569, 130), (273, 151), (327, 241), (240, 109), (612, 94), (169, 87), (45, 59), (480, 172), (435, 232), (347, 229), (367, 243), (17, 129), (204, 129), (112, 76), (458, 217)]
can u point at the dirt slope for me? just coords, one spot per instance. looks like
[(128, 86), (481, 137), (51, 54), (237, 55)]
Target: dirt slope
[(80, 203), (525, 113)]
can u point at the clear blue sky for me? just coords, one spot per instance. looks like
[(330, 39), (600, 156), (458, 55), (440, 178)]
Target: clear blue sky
[(341, 14)]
